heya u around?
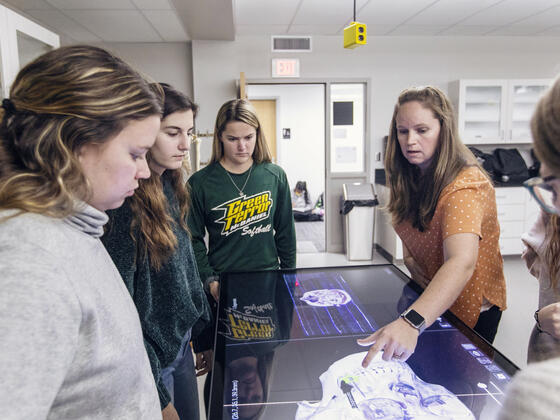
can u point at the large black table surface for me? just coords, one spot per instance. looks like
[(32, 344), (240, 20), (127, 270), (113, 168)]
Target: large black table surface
[(278, 331)]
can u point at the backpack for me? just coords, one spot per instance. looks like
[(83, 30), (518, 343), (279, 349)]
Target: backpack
[(486, 160), (509, 166)]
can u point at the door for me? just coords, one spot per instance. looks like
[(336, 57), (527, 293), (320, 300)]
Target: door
[(266, 111)]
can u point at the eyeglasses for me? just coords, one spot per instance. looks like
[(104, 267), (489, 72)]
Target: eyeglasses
[(543, 192)]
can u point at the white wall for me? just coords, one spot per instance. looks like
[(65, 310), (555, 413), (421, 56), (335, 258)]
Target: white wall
[(300, 108), (391, 63), (169, 62)]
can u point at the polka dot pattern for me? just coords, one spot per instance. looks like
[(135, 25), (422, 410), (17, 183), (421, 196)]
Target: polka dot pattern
[(467, 205)]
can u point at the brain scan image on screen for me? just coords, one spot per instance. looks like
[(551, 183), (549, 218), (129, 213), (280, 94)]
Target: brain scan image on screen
[(383, 390), (326, 297)]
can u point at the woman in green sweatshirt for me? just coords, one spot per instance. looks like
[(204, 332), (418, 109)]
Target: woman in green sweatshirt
[(149, 242), (242, 200)]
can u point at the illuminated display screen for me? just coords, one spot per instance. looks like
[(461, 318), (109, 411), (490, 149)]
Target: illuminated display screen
[(286, 349)]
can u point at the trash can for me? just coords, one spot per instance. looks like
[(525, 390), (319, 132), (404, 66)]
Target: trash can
[(358, 210)]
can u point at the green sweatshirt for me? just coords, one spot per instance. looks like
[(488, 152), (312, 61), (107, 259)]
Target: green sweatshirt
[(169, 301), (253, 231)]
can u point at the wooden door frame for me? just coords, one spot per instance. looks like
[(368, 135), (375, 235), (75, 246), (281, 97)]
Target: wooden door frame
[(277, 100)]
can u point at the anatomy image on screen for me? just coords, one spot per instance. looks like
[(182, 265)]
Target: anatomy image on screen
[(383, 390), (326, 297), (326, 305)]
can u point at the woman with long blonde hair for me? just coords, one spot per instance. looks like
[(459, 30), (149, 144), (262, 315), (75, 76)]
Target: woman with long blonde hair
[(150, 244), (74, 134), (443, 208), (242, 200)]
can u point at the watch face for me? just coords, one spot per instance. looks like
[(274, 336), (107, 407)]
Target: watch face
[(414, 317)]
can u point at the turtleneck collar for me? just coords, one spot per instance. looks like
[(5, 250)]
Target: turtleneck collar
[(88, 219)]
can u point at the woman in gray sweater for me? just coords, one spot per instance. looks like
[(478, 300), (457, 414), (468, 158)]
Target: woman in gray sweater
[(73, 139)]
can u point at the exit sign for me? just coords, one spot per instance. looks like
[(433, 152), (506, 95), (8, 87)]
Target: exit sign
[(285, 67)]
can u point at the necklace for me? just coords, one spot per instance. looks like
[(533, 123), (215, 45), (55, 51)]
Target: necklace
[(235, 185)]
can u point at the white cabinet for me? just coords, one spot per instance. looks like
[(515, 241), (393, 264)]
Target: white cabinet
[(21, 41), (496, 111)]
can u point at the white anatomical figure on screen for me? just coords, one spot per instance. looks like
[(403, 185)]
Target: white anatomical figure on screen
[(383, 390), (326, 297)]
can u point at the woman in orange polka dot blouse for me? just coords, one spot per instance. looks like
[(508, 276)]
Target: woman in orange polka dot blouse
[(443, 208)]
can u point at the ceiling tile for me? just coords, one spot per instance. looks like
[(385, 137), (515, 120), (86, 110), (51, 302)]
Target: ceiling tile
[(509, 11), (466, 30), (516, 30), (314, 30), (447, 12), (422, 30), (64, 25), (92, 4), (553, 31), (550, 17), (379, 30), (153, 4), (327, 12), (167, 24), (30, 4), (261, 29), (265, 12), (391, 12), (116, 25)]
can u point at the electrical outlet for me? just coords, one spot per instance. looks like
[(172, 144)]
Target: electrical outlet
[(378, 156)]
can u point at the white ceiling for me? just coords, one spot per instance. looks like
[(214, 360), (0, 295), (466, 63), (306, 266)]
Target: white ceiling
[(182, 20)]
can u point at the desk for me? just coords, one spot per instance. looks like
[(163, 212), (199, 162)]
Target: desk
[(278, 331)]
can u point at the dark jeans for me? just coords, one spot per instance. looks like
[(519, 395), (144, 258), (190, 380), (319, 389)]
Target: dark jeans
[(487, 325), (180, 380)]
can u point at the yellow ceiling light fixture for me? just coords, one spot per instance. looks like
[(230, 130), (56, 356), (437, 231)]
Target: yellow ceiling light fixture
[(355, 34)]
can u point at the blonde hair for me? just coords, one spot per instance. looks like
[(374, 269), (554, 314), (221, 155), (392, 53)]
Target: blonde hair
[(414, 195), (59, 102), (239, 110), (545, 127)]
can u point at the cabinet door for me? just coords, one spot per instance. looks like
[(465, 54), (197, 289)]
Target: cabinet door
[(21, 40), (482, 108), (523, 96)]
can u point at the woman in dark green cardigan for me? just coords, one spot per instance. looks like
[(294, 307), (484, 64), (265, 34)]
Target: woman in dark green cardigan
[(150, 244)]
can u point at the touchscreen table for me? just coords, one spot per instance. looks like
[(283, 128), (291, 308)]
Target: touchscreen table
[(286, 349)]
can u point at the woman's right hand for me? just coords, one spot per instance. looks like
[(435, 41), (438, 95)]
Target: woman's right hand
[(549, 318), (397, 340)]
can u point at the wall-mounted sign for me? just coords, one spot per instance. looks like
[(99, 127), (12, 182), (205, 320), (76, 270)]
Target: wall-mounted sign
[(285, 67)]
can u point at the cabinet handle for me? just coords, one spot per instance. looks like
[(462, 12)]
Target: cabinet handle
[(501, 134), (510, 135), (501, 214)]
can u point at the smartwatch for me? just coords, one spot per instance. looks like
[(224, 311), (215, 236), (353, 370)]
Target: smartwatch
[(414, 319)]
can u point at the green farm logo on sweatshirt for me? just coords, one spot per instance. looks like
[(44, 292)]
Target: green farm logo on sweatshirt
[(244, 211)]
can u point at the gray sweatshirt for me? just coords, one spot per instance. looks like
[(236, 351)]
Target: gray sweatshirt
[(71, 345)]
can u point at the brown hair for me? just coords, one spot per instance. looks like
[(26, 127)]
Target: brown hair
[(545, 127), (414, 195), (59, 102), (239, 110), (150, 209)]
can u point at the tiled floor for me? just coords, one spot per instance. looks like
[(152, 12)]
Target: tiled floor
[(517, 321)]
